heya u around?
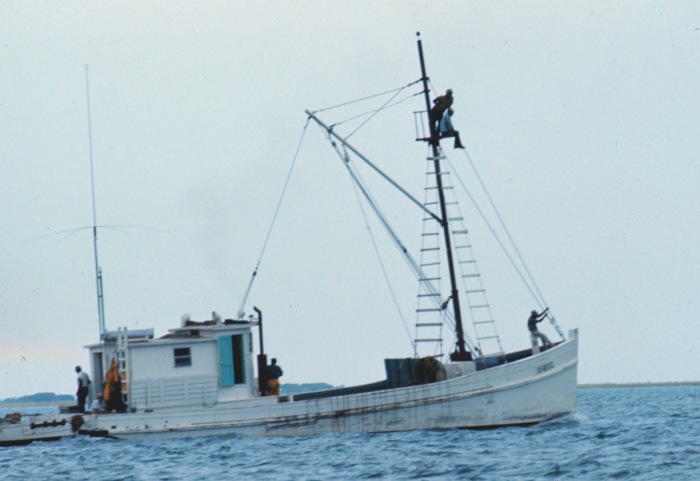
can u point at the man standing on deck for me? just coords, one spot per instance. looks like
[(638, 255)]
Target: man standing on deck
[(274, 372), (83, 383), (532, 326)]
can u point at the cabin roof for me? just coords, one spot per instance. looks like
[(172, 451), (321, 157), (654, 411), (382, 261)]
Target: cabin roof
[(191, 332)]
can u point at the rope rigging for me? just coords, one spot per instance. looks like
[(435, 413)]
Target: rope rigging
[(346, 160), (413, 265), (529, 282), (241, 312)]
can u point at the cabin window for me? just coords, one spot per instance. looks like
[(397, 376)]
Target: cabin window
[(183, 356)]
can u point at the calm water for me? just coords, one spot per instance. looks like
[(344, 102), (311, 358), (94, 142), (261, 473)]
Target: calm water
[(623, 433)]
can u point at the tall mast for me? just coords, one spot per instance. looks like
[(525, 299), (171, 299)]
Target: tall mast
[(462, 353), (98, 270)]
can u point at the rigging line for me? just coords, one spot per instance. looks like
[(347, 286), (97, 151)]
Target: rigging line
[(371, 112), (240, 312), (375, 113), (117, 228), (367, 98), (505, 228), (346, 161), (414, 266), (331, 133), (493, 231), (529, 285)]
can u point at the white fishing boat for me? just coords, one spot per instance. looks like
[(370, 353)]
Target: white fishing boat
[(203, 378)]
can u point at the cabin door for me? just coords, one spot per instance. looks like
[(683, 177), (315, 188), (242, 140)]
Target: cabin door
[(231, 364), (98, 376)]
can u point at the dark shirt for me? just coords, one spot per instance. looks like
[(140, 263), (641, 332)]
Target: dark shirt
[(274, 371), (532, 322), (444, 101)]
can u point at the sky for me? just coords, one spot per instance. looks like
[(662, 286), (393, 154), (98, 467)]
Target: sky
[(582, 119)]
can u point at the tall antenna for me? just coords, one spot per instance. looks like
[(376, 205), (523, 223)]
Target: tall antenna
[(98, 270)]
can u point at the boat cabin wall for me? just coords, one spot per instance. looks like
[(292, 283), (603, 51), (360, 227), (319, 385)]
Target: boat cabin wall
[(184, 371)]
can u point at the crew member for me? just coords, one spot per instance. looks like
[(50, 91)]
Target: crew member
[(442, 103), (532, 322), (274, 372), (83, 383), (98, 406), (447, 130)]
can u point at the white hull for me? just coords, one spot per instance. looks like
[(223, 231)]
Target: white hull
[(525, 392), (36, 427)]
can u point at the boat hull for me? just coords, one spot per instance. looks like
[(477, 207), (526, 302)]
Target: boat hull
[(529, 391), (37, 427), (525, 392)]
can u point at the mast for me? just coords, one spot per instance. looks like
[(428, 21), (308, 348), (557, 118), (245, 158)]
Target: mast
[(462, 353), (98, 270)]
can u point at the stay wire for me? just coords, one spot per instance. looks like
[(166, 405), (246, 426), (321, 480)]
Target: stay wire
[(490, 227), (240, 312), (373, 112), (531, 285), (367, 98), (414, 266), (355, 176), (383, 107)]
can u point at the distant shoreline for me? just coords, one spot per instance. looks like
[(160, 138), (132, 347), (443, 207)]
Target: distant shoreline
[(608, 385)]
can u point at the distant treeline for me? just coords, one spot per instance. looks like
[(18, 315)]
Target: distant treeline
[(637, 384), (40, 397), (49, 397)]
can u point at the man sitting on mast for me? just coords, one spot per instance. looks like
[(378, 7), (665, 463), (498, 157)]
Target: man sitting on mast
[(447, 130)]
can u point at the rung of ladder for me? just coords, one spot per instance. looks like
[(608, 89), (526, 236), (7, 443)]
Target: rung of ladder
[(474, 291), (430, 249), (463, 247), (467, 262), (428, 340), (483, 322), (431, 309), (430, 203), (470, 275), (428, 295), (429, 324), (482, 306), (424, 279), (426, 234), (454, 219), (465, 231), (488, 337), (429, 264)]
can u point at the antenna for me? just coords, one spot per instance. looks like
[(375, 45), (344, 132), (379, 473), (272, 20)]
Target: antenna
[(98, 270)]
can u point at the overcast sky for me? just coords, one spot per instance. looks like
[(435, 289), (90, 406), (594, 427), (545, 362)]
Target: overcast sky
[(582, 118)]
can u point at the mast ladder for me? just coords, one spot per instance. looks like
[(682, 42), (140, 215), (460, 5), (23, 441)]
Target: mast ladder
[(487, 338), (429, 316)]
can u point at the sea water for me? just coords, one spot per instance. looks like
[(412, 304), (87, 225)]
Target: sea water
[(645, 433)]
